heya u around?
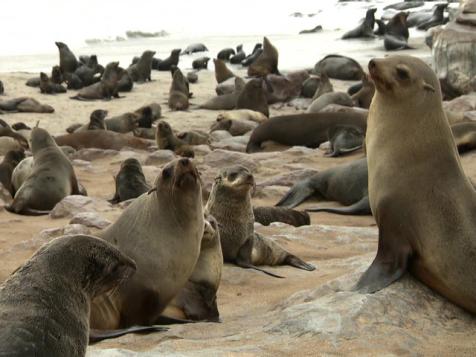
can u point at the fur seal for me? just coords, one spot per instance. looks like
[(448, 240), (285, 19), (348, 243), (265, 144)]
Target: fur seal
[(21, 172), (420, 18), (267, 61), (225, 54), (106, 88), (200, 63), (309, 129), (243, 115), (10, 161), (125, 83), (167, 140), (396, 33), (324, 86), (179, 92), (194, 137), (418, 222), (365, 29), (346, 184), (268, 215), (283, 88), (257, 51), (101, 139), (25, 105), (140, 71), (68, 61), (364, 96), (195, 47), (48, 87), (222, 72), (344, 140), (197, 301), (172, 60), (230, 204), (234, 127), (437, 18), (130, 181), (239, 56), (45, 303), (340, 98), (168, 227), (339, 67), (225, 101), (123, 123), (253, 97), (51, 180)]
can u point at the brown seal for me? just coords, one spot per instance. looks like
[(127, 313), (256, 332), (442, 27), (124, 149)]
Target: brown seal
[(179, 92), (339, 98), (234, 127), (230, 204), (123, 123), (25, 105), (130, 181), (47, 86), (167, 140), (45, 303), (140, 71), (194, 137), (243, 115), (253, 96), (222, 72), (197, 301), (10, 161), (267, 61), (101, 139), (67, 59), (168, 227), (106, 88), (308, 129), (226, 101), (51, 180), (268, 215), (364, 96), (424, 206)]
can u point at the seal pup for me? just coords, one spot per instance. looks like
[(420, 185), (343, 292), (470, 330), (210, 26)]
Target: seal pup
[(234, 127), (346, 184), (195, 47), (67, 59), (243, 115), (225, 101), (308, 129), (51, 180), (268, 215), (123, 123), (25, 105), (106, 88), (396, 33), (324, 86), (225, 54), (194, 137), (222, 72), (253, 96), (344, 140), (101, 139), (339, 67), (257, 51), (140, 71), (172, 60), (266, 63), (197, 301), (340, 98), (96, 122), (167, 140), (239, 56), (10, 161), (365, 29), (425, 209), (230, 204), (130, 181), (200, 63), (179, 92), (364, 96), (167, 224), (45, 303)]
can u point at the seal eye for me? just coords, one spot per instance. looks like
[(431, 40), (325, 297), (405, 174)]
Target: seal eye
[(167, 172), (232, 176), (402, 74)]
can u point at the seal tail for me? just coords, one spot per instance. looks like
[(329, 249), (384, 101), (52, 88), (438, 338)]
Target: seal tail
[(295, 196), (99, 335), (359, 208), (296, 262), (251, 266)]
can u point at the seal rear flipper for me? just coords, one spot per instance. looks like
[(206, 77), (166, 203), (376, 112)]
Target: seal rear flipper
[(296, 262), (99, 335), (244, 258), (388, 266), (295, 196), (359, 208), (251, 266)]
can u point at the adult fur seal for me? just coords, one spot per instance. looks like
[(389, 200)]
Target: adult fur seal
[(200, 63), (257, 51), (101, 139), (130, 181), (437, 18), (51, 180), (172, 60), (68, 61), (340, 98), (268, 215), (309, 129), (168, 227), (96, 122), (234, 127), (106, 88), (25, 105), (253, 96), (230, 204), (179, 92), (267, 61), (424, 212), (48, 87), (225, 54), (140, 71), (123, 123), (45, 303), (339, 67), (365, 29), (197, 301), (346, 184), (222, 72), (10, 161), (167, 140), (396, 33), (225, 101), (239, 56)]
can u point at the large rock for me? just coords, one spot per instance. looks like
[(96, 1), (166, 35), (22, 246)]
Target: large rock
[(72, 205), (90, 219)]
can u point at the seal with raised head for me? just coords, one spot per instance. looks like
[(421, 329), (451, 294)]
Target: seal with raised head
[(230, 204), (167, 140), (437, 18), (67, 59), (197, 301), (48, 87), (52, 177), (253, 96), (106, 88), (168, 227), (308, 129), (130, 181), (96, 122), (222, 72), (324, 86), (140, 71), (225, 101), (346, 184), (266, 63), (10, 161), (239, 56), (396, 33), (364, 96), (225, 54), (424, 206), (179, 92), (364, 29), (45, 303), (172, 60)]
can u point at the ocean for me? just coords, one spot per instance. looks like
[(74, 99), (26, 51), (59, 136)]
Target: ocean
[(30, 28)]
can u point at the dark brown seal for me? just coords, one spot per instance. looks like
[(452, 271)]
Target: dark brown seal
[(10, 161), (364, 29), (25, 105), (267, 61), (67, 59), (179, 92), (130, 181), (167, 140), (106, 88), (253, 96), (222, 72), (172, 60), (225, 101), (268, 215), (140, 71), (47, 86)]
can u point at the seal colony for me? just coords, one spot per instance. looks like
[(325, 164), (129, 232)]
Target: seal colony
[(181, 230)]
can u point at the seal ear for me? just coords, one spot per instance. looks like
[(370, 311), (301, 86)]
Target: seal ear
[(428, 87)]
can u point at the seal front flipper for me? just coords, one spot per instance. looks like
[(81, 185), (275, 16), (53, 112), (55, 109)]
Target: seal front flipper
[(359, 208), (388, 266), (99, 335), (296, 195)]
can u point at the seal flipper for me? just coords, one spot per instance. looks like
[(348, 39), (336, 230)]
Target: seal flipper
[(389, 265), (359, 208), (296, 195), (99, 335), (243, 259), (296, 262)]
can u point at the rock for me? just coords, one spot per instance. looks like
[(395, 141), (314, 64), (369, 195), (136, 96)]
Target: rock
[(201, 150), (462, 104), (160, 157), (93, 154), (75, 229), (318, 28), (270, 192), (50, 233), (90, 219), (288, 179), (81, 163), (219, 135), (222, 158), (72, 205)]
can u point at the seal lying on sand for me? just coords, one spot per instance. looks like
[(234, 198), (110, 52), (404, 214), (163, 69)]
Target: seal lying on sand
[(268, 215), (339, 67), (140, 71), (25, 105), (101, 139), (10, 161), (48, 87), (225, 101)]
